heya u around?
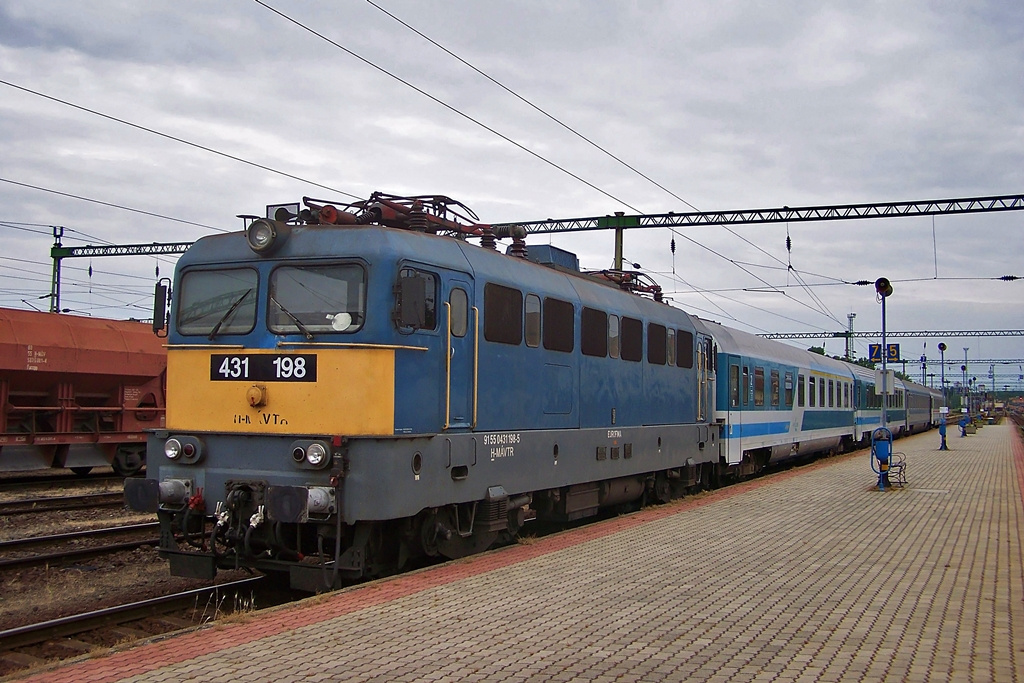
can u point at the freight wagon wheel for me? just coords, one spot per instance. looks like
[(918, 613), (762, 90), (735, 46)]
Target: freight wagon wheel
[(81, 471)]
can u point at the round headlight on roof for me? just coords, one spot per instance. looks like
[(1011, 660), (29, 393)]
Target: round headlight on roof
[(261, 235)]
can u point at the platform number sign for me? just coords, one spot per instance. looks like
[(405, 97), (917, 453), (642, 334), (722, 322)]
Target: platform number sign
[(892, 353)]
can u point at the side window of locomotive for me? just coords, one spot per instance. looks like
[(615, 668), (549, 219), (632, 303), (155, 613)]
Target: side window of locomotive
[(503, 314), (788, 388), (213, 302), (656, 344), (459, 302), (613, 336), (758, 386), (684, 349), (316, 299), (632, 339), (774, 387), (532, 320), (416, 300), (559, 331), (801, 390), (594, 332)]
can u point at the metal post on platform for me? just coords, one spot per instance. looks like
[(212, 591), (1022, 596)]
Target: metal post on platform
[(944, 410)]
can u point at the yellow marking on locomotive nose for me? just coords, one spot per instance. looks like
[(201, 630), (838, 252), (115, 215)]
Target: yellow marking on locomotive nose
[(354, 394)]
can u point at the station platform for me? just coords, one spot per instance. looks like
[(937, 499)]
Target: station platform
[(808, 575)]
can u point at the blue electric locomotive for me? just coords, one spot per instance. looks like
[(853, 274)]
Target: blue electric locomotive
[(348, 391)]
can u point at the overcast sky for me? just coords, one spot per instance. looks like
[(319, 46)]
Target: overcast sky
[(728, 105)]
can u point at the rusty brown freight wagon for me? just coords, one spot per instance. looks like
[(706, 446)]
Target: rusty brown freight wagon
[(77, 392)]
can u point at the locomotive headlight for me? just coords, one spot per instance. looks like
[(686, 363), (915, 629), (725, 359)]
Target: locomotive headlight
[(172, 449), (316, 454), (261, 234)]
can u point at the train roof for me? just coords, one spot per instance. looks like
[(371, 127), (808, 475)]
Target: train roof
[(55, 342)]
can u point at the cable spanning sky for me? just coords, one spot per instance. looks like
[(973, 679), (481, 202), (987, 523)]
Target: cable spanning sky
[(198, 112)]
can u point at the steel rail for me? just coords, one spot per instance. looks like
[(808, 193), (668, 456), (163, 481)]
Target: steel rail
[(32, 634)]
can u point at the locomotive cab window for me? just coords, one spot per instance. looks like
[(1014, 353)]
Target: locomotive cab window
[(216, 302), (684, 349), (312, 299), (416, 300)]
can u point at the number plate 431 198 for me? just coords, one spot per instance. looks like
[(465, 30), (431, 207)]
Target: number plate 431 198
[(295, 367)]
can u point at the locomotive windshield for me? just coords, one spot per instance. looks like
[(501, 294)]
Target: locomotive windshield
[(216, 302), (308, 299)]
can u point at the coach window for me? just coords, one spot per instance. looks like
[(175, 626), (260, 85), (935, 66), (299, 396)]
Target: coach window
[(821, 392), (213, 302), (800, 390), (459, 302), (313, 299), (831, 394), (788, 388), (632, 339), (656, 344), (774, 386), (613, 336), (594, 332), (503, 314), (670, 347), (559, 328), (734, 386), (684, 349), (811, 392), (745, 386), (758, 386), (846, 394), (532, 320)]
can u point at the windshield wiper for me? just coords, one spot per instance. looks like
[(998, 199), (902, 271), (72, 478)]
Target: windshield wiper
[(224, 318), (294, 319)]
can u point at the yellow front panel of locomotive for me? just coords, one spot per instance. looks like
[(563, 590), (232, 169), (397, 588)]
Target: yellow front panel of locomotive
[(354, 394)]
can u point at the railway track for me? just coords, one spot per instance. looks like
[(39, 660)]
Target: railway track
[(59, 556), (35, 644), (16, 482), (24, 506)]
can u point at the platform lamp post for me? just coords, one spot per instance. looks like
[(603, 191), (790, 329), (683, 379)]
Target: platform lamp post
[(944, 409), (881, 438)]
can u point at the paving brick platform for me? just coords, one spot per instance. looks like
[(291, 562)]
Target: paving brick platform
[(809, 575)]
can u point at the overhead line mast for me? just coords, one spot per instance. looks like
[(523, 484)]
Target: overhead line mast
[(620, 222)]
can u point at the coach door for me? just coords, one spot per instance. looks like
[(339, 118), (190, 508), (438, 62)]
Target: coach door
[(734, 421), (462, 322)]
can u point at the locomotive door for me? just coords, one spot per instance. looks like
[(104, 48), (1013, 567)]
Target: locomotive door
[(734, 420), (461, 329)]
